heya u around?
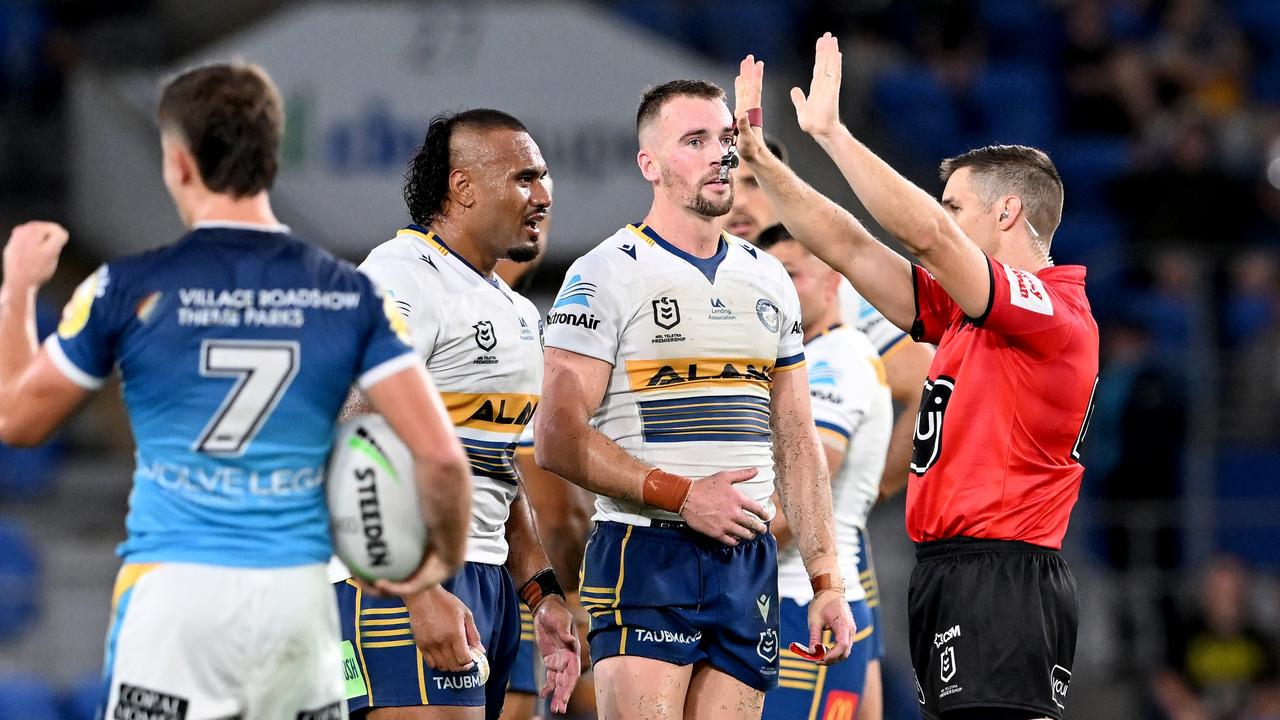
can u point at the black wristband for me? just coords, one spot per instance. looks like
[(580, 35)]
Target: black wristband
[(542, 584)]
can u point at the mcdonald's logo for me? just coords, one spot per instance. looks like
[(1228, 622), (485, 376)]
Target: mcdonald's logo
[(841, 705)]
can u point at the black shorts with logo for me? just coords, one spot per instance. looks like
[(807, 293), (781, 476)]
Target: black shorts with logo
[(992, 624)]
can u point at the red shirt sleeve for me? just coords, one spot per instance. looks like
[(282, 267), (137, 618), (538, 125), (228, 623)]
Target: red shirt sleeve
[(935, 310), (1026, 310)]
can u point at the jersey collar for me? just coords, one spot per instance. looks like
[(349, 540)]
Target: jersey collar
[(235, 225), (834, 326), (706, 266), (435, 241)]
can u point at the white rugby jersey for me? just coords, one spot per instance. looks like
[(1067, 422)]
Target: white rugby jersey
[(482, 345), (694, 345), (885, 337), (853, 410)]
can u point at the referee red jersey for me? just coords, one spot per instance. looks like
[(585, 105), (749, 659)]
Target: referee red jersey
[(1005, 408)]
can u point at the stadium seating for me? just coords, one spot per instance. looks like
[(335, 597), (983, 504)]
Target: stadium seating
[(1017, 104), (915, 109), (1016, 30), (80, 702), (1261, 24), (19, 581), (1246, 478), (27, 697), (1088, 165)]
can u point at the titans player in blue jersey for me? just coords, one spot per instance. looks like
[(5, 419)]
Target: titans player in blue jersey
[(236, 346)]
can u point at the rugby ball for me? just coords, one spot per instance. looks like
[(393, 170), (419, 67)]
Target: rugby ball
[(378, 530)]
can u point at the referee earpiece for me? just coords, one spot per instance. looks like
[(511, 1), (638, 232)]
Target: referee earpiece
[(1004, 215)]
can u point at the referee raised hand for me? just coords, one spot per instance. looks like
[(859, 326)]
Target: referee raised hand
[(996, 464)]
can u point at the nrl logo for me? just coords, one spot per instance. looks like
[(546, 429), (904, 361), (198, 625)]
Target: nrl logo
[(485, 336), (767, 648), (666, 312)]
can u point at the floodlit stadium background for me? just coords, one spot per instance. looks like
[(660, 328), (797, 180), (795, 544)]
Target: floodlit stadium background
[(1163, 116)]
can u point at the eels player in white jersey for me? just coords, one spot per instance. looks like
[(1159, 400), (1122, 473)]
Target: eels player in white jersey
[(562, 512), (853, 410), (475, 191), (674, 387), (236, 346)]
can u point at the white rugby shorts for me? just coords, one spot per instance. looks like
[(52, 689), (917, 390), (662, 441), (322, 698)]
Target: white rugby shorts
[(206, 642)]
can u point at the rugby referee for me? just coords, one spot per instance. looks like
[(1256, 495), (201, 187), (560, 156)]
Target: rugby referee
[(996, 464)]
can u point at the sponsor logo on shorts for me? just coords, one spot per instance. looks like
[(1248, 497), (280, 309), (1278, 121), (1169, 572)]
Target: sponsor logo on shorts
[(139, 703), (841, 705), (667, 636), (946, 636), (947, 664), (767, 647), (328, 712), (762, 604), (458, 682), (1059, 681)]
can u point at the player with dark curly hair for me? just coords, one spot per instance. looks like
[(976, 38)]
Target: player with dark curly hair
[(477, 192)]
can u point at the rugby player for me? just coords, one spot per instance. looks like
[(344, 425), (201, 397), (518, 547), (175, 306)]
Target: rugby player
[(236, 346), (853, 411), (674, 386), (475, 191), (996, 462)]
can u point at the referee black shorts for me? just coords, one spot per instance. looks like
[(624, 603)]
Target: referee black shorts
[(992, 625)]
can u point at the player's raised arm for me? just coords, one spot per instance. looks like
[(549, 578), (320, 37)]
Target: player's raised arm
[(881, 275), (35, 396), (413, 408), (910, 214)]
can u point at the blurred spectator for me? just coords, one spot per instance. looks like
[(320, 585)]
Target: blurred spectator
[(1139, 416), (1251, 297), (1165, 308), (1200, 54), (1134, 469), (1220, 665), (1107, 85), (1182, 194), (1253, 353)]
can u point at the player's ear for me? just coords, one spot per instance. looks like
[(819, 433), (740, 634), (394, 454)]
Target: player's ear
[(648, 165), (832, 288), (461, 189), (1010, 209), (179, 165)]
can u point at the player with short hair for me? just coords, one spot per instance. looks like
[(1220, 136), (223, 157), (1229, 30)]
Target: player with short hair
[(996, 465), (906, 365), (853, 411), (236, 346), (476, 193), (674, 385)]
